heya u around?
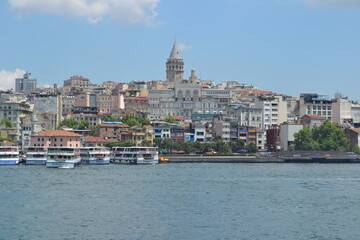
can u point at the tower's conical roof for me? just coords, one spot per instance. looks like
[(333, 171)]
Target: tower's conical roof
[(175, 52)]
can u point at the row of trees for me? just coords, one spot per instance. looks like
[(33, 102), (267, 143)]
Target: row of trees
[(75, 124), (327, 137), (129, 119), (167, 145)]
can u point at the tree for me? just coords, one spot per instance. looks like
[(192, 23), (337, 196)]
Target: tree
[(251, 148), (330, 137), (6, 139), (222, 147), (134, 120), (356, 149), (146, 143), (327, 137), (237, 145), (169, 119), (111, 119), (75, 124), (304, 140), (7, 123), (83, 124)]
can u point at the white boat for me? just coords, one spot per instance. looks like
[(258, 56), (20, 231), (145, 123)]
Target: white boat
[(95, 155), (35, 155), (135, 155), (63, 157), (9, 155)]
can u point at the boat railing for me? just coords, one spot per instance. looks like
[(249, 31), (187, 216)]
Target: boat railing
[(63, 153)]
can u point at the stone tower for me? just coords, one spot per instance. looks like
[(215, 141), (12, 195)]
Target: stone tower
[(193, 78), (175, 66)]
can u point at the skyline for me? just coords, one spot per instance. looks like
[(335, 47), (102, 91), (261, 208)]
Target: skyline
[(285, 46)]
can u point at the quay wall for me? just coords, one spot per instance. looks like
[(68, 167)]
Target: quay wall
[(254, 159)]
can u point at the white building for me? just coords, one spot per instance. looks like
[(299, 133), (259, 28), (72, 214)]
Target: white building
[(274, 110), (287, 134), (25, 83), (315, 104)]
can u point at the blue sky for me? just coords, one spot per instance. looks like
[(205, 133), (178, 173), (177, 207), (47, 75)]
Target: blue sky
[(286, 46)]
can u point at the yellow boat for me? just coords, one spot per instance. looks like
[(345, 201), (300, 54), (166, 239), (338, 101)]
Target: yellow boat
[(163, 160)]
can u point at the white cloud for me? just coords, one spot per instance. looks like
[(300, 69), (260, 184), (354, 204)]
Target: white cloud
[(125, 11), (341, 3), (46, 86), (184, 47), (7, 79)]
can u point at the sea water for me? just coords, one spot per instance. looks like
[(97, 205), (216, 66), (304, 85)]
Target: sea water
[(181, 201)]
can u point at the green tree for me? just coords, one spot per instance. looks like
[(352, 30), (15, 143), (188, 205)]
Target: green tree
[(222, 147), (251, 148), (169, 119), (327, 137), (5, 139), (330, 137), (70, 122), (237, 145), (111, 119), (83, 124), (135, 120), (146, 143), (356, 149), (75, 124), (7, 123), (304, 141)]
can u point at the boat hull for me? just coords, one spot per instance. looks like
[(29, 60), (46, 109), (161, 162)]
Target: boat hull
[(35, 161), (135, 161), (96, 161), (9, 161), (61, 164)]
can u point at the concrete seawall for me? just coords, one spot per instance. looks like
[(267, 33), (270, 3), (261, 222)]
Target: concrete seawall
[(221, 159), (254, 159)]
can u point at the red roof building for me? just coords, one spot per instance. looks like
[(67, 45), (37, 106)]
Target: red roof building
[(55, 139)]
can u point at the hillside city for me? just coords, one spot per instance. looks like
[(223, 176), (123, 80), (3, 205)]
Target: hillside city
[(81, 113)]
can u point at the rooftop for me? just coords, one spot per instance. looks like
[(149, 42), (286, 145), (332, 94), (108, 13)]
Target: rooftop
[(58, 133)]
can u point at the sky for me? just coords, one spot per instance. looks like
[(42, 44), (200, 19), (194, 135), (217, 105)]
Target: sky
[(285, 46)]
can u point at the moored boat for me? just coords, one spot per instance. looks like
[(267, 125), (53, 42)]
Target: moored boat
[(35, 155), (63, 157), (9, 155), (95, 155), (135, 155)]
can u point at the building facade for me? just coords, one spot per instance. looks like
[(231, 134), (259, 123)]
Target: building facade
[(77, 82), (25, 83), (55, 139), (315, 104)]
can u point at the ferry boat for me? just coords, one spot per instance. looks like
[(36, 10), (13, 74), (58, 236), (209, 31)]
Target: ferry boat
[(95, 155), (9, 155), (35, 155), (135, 155), (63, 157)]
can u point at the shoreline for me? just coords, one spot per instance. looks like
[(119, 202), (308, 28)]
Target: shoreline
[(255, 159)]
